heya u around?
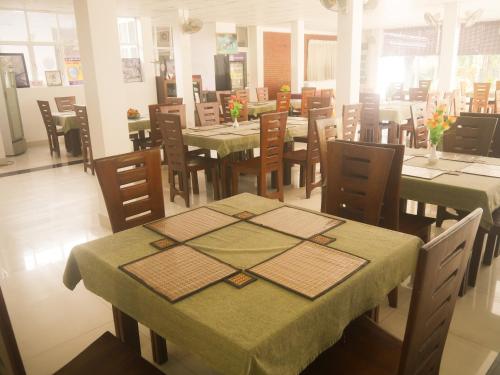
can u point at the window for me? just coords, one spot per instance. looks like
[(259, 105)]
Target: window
[(128, 31), (46, 39)]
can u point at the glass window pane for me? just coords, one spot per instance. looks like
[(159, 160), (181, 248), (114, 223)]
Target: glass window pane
[(13, 26), (127, 30), (19, 49), (43, 26), (67, 28), (45, 59)]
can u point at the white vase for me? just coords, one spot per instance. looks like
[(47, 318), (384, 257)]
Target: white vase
[(433, 156), (235, 123)]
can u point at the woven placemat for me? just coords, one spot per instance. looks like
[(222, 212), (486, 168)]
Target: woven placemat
[(482, 170), (191, 224), (296, 222), (420, 172), (179, 272), (309, 269)]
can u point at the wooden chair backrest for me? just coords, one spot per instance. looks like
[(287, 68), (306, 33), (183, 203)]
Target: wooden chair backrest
[(418, 94), (173, 101), (421, 133), (495, 143), (65, 103), (440, 269), (307, 92), (208, 113), (262, 94), (242, 95), (479, 102), (132, 189), (357, 177), (326, 130), (282, 101), (82, 121), (397, 90), (171, 131), (316, 102), (313, 153), (425, 84), (351, 116), (470, 135), (370, 117), (48, 120), (10, 359), (219, 93), (226, 112), (326, 93), (154, 109), (272, 138)]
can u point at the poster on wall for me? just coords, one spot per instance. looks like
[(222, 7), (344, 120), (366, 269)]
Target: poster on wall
[(73, 69), (53, 78), (227, 44), (132, 71), (14, 62), (163, 37)]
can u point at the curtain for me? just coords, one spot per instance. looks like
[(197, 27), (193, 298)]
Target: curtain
[(321, 60)]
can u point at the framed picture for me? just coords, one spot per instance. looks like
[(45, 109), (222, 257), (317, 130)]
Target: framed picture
[(227, 44), (15, 62), (132, 71), (163, 36), (74, 72), (53, 78)]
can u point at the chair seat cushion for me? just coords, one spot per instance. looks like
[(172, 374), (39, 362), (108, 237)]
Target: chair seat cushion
[(296, 156), (108, 355)]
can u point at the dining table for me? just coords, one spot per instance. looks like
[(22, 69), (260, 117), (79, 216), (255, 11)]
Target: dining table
[(272, 324), (458, 181), (257, 108)]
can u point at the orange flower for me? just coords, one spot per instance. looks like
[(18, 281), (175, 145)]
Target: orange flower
[(452, 119), (233, 97), (446, 126), (436, 116)]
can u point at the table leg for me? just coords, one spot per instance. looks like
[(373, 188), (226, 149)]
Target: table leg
[(159, 348), (475, 259), (127, 329)]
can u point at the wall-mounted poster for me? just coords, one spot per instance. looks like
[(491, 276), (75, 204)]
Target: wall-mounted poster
[(132, 71), (227, 44), (14, 62), (163, 36), (53, 78), (73, 70)]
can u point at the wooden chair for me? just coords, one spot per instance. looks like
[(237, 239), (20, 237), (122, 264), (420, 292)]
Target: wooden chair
[(262, 94), (173, 101), (65, 103), (242, 95), (180, 163), (132, 190), (397, 90), (272, 137), (419, 134), (82, 121), (356, 180), (226, 112), (425, 84), (495, 143), (418, 94), (326, 130), (480, 100), (282, 101), (326, 93), (155, 138), (470, 135), (316, 102), (307, 92), (366, 348), (208, 113), (53, 131), (351, 116), (370, 128), (307, 159)]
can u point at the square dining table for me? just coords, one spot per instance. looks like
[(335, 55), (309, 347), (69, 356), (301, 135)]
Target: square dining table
[(261, 328)]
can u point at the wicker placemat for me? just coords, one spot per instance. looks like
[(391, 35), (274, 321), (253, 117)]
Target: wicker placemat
[(420, 172), (483, 170), (179, 272), (191, 224), (309, 269), (296, 222)]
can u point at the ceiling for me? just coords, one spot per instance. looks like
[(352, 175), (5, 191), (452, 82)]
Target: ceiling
[(276, 13)]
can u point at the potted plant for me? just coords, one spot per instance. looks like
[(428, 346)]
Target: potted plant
[(285, 88), (235, 107), (437, 124)]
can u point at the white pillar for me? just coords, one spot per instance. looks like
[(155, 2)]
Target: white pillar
[(349, 37), (255, 59), (297, 55), (102, 69), (449, 47), (183, 67)]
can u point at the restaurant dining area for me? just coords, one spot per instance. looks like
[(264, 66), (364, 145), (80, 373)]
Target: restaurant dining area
[(214, 187)]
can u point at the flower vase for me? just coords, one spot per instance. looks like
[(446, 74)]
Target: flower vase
[(235, 123), (433, 156)]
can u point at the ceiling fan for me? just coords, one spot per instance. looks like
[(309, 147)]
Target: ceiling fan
[(469, 20), (340, 5)]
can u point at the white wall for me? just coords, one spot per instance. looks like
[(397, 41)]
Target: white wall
[(203, 49)]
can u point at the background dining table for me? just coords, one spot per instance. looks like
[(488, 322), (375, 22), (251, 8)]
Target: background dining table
[(261, 328)]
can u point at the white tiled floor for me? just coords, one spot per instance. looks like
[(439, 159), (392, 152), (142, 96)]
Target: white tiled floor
[(45, 213)]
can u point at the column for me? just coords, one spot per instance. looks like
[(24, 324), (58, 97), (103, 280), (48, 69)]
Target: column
[(297, 56), (449, 47), (349, 54), (255, 59), (102, 69), (183, 67)]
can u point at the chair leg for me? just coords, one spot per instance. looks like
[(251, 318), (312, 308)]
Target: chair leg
[(440, 216), (185, 188), (393, 298), (171, 181), (497, 246), (196, 186), (302, 181), (159, 348), (490, 249), (215, 183), (280, 187)]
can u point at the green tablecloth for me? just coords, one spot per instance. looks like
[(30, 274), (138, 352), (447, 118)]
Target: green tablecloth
[(226, 144), (397, 111), (67, 121), (262, 328), (256, 108), (463, 191)]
